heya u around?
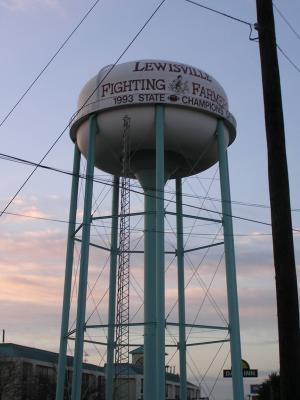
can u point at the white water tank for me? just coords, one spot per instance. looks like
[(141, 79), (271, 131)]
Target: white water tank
[(193, 100)]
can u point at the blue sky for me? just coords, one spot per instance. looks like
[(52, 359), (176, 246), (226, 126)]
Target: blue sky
[(32, 252)]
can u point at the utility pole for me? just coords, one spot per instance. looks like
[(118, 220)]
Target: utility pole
[(283, 247)]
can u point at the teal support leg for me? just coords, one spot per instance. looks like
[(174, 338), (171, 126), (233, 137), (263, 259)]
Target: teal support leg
[(147, 180), (234, 324), (112, 292), (181, 295), (68, 279), (160, 249), (83, 274)]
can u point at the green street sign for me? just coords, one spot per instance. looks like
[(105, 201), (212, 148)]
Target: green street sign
[(247, 373)]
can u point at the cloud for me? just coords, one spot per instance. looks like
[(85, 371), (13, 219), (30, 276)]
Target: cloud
[(41, 247), (26, 208), (23, 5), (30, 289), (24, 321), (32, 265), (12, 4), (26, 213), (20, 201), (32, 262)]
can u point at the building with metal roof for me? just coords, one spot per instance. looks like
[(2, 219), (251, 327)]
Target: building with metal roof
[(28, 373)]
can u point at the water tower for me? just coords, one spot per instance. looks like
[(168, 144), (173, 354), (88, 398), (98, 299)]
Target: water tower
[(151, 120)]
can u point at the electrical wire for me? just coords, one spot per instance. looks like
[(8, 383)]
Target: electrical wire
[(83, 105), (294, 65), (141, 193), (101, 179), (48, 63), (286, 21), (140, 230), (219, 12), (213, 10), (205, 235), (288, 58), (118, 59), (7, 116)]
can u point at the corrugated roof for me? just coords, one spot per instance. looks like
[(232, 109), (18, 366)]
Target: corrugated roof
[(19, 351), (138, 350)]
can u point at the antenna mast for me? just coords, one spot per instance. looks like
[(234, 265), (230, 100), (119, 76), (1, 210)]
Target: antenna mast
[(122, 315)]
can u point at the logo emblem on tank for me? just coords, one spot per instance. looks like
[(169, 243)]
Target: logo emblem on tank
[(179, 86)]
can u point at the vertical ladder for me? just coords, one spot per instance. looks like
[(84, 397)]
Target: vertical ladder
[(121, 391)]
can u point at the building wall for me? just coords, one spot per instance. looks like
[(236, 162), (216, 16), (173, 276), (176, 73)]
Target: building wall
[(27, 379), (139, 382), (30, 379)]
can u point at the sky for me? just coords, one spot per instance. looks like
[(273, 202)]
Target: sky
[(32, 250)]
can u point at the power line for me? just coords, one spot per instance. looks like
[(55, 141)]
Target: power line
[(294, 65), (251, 26), (135, 37), (286, 21), (32, 172), (231, 17), (220, 13), (64, 130), (101, 179), (37, 165), (288, 58), (48, 63), (20, 215)]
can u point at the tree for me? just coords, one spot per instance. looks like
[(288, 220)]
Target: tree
[(10, 384), (270, 389), (20, 381)]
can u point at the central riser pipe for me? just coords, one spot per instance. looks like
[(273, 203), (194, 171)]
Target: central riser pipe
[(160, 251), (147, 180), (151, 175)]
